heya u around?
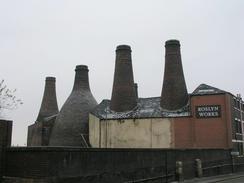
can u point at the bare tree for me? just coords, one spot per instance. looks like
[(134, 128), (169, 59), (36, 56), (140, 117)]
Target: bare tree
[(8, 100)]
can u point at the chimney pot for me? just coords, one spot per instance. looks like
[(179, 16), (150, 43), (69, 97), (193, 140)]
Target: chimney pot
[(172, 42), (81, 67), (123, 47), (50, 78), (81, 78)]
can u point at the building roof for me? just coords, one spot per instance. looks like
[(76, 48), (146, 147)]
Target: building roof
[(204, 89), (146, 108), (150, 107)]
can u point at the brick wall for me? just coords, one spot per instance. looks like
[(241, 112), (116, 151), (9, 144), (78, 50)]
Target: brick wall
[(39, 133), (104, 165), (34, 137), (5, 141), (209, 132)]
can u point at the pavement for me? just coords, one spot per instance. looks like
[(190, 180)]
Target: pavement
[(228, 178)]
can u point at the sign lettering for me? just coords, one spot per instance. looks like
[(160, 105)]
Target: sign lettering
[(208, 111)]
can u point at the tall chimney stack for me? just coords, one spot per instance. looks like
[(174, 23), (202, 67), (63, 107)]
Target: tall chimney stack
[(123, 94), (49, 104), (174, 92), (71, 125)]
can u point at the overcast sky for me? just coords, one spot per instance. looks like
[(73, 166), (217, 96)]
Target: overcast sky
[(40, 38)]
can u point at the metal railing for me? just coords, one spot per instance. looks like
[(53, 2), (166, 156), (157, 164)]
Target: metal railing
[(164, 177), (210, 168)]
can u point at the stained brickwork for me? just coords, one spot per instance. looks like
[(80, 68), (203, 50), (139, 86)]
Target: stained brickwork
[(49, 106), (5, 133), (123, 94), (71, 125), (105, 165), (34, 137), (174, 92), (5, 141), (39, 132), (206, 132)]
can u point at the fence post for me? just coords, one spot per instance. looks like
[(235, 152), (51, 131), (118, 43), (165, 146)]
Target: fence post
[(179, 171), (233, 164), (233, 155), (199, 172)]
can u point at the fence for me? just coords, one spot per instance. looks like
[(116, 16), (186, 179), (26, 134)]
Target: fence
[(209, 168)]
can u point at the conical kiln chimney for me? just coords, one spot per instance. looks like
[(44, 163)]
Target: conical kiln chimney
[(174, 92), (49, 105), (71, 125), (123, 94)]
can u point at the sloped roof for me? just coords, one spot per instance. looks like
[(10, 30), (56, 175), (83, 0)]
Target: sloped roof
[(146, 108), (204, 89), (150, 107)]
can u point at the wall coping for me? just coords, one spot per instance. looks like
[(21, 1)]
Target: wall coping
[(80, 149)]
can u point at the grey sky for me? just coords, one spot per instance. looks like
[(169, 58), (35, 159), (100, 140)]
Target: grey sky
[(40, 38)]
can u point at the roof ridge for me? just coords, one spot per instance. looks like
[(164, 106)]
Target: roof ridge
[(207, 89)]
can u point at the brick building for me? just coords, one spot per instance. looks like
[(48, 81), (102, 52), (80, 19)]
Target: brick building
[(132, 138), (206, 118), (212, 119), (211, 123)]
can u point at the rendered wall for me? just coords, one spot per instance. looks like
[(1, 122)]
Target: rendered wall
[(131, 133)]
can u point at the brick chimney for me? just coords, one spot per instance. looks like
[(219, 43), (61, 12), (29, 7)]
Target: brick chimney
[(49, 105), (123, 94), (174, 92), (81, 78), (71, 125)]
